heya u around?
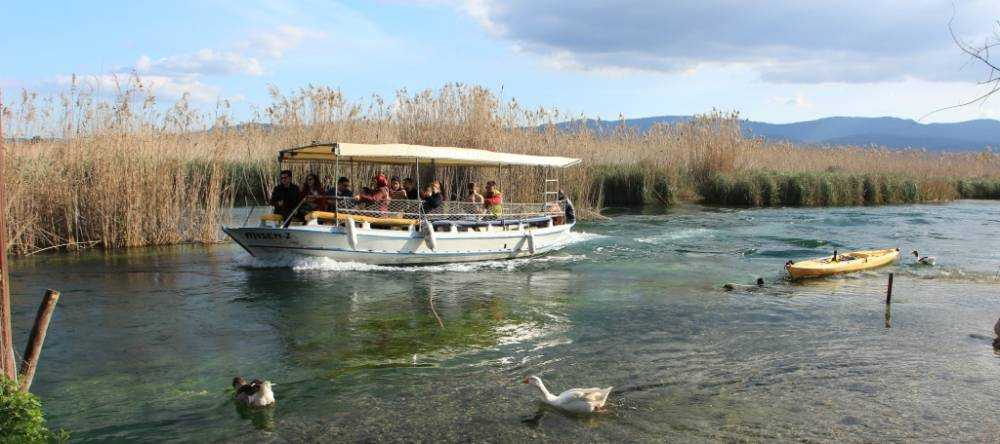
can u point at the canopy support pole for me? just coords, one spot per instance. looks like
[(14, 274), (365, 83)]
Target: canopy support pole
[(416, 177), (336, 192)]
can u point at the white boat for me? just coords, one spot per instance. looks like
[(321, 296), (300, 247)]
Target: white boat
[(400, 231)]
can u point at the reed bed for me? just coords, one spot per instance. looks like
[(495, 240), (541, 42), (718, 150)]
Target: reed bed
[(89, 168)]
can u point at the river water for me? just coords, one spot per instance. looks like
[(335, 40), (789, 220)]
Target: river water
[(144, 343)]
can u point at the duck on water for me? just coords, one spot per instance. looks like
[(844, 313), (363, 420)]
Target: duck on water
[(923, 260), (255, 394)]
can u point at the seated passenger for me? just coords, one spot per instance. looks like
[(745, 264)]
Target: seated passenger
[(554, 211), (343, 188), (285, 196), (312, 193), (474, 195), (411, 189), (396, 190), (492, 199), (343, 195), (328, 186), (379, 193), (433, 199)]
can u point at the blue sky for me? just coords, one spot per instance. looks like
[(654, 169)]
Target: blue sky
[(772, 60)]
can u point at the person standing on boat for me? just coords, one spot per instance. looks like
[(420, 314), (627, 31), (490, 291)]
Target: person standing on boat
[(285, 196), (492, 198), (570, 212)]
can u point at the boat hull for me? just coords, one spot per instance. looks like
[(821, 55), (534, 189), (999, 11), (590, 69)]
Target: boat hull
[(820, 267), (398, 247)]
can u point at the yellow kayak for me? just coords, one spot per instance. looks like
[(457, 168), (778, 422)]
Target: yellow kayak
[(843, 263)]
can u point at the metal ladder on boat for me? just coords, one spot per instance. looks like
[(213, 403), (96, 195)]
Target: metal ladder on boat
[(553, 193)]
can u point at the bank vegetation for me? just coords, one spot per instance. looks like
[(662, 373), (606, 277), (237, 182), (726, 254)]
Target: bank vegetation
[(121, 169)]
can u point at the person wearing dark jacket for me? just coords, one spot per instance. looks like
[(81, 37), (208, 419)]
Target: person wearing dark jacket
[(285, 196), (411, 189), (570, 212), (433, 199), (343, 188)]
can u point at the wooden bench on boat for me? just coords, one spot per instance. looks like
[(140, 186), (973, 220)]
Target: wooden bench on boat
[(376, 221)]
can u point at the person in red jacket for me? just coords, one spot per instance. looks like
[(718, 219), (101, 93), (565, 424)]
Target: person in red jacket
[(492, 198), (378, 194)]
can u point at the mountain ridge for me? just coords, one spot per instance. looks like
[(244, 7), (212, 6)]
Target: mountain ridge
[(890, 132)]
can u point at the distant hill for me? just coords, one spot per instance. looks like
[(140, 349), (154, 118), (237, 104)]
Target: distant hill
[(890, 132)]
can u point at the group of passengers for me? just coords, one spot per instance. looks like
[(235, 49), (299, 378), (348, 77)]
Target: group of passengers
[(287, 198)]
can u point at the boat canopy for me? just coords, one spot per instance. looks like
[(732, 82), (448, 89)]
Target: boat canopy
[(399, 153)]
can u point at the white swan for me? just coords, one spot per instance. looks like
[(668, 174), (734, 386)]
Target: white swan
[(255, 394), (923, 260), (575, 400)]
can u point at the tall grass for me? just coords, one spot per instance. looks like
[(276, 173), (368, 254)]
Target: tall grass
[(122, 169)]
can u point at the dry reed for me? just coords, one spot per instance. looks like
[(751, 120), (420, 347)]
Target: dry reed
[(123, 170)]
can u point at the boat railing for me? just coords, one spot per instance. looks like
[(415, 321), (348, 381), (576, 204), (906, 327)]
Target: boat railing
[(446, 211)]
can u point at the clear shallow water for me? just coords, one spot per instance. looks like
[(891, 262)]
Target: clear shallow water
[(144, 343)]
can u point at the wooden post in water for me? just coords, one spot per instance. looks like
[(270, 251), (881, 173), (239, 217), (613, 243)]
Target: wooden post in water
[(888, 293), (888, 304), (33, 350), (7, 364)]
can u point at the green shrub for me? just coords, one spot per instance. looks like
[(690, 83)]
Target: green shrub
[(21, 418), (911, 193), (890, 190), (978, 189), (827, 195), (663, 192), (795, 190), (767, 188), (622, 186), (767, 185), (872, 191), (856, 191)]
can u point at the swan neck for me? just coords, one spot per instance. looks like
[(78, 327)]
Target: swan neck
[(545, 392)]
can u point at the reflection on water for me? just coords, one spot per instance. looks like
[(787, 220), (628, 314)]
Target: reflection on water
[(144, 343)]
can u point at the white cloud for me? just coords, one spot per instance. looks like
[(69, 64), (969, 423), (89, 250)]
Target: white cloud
[(481, 11), (160, 86), (244, 59), (173, 76), (784, 41), (276, 43), (203, 62)]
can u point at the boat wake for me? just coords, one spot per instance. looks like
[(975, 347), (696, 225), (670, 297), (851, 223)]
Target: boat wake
[(690, 233), (950, 274)]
